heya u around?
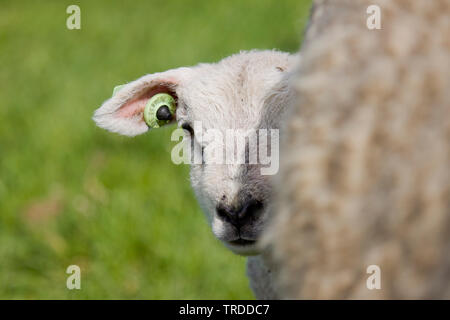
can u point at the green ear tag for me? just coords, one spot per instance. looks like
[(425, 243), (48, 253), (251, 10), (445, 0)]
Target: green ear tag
[(159, 110), (117, 88)]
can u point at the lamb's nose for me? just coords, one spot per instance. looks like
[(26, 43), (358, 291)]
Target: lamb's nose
[(239, 215)]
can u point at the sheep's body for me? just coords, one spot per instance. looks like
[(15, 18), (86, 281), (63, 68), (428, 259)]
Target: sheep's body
[(365, 179)]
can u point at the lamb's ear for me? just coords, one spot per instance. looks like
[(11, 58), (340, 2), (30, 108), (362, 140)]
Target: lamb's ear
[(124, 111)]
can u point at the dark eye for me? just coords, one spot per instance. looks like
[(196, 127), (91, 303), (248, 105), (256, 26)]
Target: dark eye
[(187, 126)]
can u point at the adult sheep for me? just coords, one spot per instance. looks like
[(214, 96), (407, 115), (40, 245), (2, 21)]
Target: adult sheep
[(365, 167)]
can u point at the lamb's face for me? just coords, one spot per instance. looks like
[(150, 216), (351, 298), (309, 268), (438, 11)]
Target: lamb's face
[(238, 96)]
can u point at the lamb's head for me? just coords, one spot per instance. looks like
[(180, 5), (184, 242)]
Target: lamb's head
[(246, 92)]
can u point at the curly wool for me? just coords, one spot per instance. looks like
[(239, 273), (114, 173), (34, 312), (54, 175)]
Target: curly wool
[(365, 170)]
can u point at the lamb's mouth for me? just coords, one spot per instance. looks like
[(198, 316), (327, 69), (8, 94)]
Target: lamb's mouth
[(242, 242)]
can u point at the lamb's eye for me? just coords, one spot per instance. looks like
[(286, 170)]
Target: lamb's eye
[(187, 126)]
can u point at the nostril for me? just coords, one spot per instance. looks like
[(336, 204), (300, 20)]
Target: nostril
[(236, 217), (250, 208), (222, 212), (227, 214)]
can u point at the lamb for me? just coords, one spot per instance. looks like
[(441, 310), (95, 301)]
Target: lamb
[(365, 164), (249, 90)]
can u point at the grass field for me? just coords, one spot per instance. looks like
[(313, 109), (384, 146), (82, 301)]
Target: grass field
[(71, 193)]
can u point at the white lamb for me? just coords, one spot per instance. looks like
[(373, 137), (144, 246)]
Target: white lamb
[(249, 90)]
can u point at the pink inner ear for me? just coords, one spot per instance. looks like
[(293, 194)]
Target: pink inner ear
[(136, 107)]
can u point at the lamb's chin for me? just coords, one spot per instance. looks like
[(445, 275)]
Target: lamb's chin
[(245, 249)]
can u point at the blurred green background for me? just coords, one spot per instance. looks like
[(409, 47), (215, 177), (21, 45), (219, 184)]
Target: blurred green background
[(71, 193)]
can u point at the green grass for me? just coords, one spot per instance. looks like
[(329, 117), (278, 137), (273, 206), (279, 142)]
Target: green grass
[(71, 193)]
